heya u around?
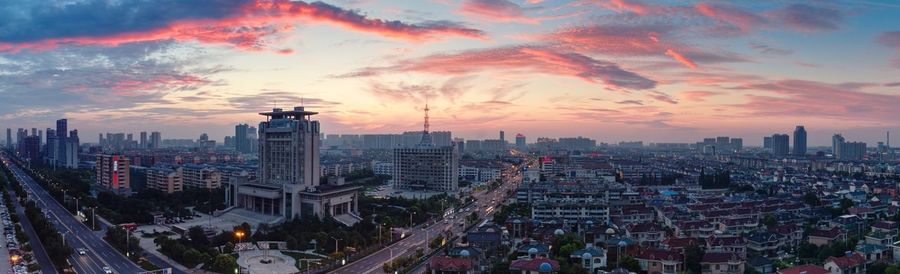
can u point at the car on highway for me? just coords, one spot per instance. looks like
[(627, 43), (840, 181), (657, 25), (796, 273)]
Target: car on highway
[(82, 251), (107, 270)]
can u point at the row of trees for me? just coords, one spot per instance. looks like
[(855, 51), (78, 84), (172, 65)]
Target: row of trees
[(718, 180), (52, 241)]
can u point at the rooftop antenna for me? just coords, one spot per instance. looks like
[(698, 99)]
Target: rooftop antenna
[(426, 115)]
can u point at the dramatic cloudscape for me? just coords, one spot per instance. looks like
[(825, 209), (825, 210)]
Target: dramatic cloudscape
[(614, 70)]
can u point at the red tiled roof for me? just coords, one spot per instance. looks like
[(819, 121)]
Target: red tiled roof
[(682, 242), (845, 261), (885, 225), (533, 264), (444, 263), (644, 227), (832, 233), (659, 255), (807, 268), (719, 257)]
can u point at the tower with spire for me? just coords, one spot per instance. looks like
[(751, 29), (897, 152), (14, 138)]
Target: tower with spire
[(426, 137)]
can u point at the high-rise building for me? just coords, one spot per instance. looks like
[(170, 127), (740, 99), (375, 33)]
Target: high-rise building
[(165, 178), (113, 173), (737, 144), (853, 151), (502, 136), (767, 142), (242, 138), (31, 148), (155, 140), (144, 140), (781, 144), (62, 130), (799, 141), (289, 173), (520, 141), (8, 137), (836, 141), (201, 176), (426, 166)]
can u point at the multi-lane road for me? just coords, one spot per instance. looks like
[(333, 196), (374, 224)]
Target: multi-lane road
[(99, 254), (485, 203)]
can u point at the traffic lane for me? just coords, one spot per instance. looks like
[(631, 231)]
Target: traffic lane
[(118, 263)]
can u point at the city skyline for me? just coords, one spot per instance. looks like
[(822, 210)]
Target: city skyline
[(690, 69)]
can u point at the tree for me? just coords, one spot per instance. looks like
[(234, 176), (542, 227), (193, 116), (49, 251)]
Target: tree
[(769, 221), (892, 269), (631, 264), (693, 255), (845, 205), (811, 199), (223, 263), (198, 237)]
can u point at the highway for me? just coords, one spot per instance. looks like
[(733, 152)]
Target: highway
[(99, 253), (486, 203)]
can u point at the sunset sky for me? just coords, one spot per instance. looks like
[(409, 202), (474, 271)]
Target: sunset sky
[(658, 71)]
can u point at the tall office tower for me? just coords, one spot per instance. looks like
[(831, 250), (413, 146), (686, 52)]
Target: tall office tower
[(442, 138), (21, 133), (155, 139), (767, 142), (520, 141), (502, 136), (112, 173), (62, 130), (34, 132), (130, 137), (52, 153), (254, 140), (8, 138), (289, 173), (460, 144), (143, 139), (100, 140), (40, 136), (242, 138), (737, 144), (781, 144), (426, 166), (836, 141), (71, 147), (31, 148), (799, 141), (853, 151)]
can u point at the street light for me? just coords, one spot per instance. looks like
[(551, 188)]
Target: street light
[(240, 235)]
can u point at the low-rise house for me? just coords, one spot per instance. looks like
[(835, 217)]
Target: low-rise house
[(734, 244), (450, 265), (591, 258), (487, 238), (887, 227), (823, 237), (761, 264), (875, 252), (646, 234), (695, 228), (660, 261), (533, 250), (534, 266), (804, 269), (765, 243), (722, 263), (679, 244), (793, 234), (850, 263)]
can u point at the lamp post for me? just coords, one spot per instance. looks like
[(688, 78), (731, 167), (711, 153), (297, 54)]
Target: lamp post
[(336, 240), (240, 235)]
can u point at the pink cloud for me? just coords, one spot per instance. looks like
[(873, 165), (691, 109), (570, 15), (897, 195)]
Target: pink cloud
[(799, 98), (496, 10), (743, 20), (891, 39), (809, 18), (254, 26), (696, 96), (628, 5), (680, 58), (519, 59)]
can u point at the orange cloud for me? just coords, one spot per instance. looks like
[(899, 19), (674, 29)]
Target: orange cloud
[(680, 58)]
